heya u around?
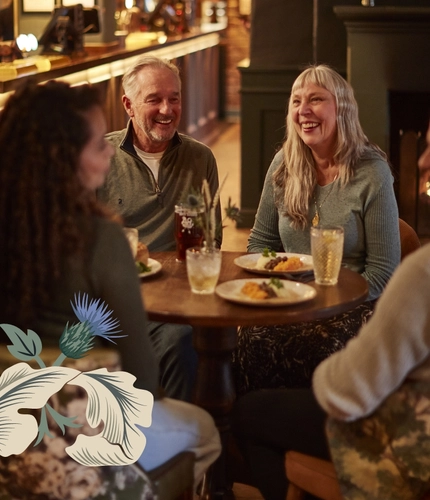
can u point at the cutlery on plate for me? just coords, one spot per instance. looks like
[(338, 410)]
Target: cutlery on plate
[(302, 277)]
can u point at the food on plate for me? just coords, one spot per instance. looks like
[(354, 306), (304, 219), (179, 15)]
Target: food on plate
[(265, 258), (286, 263), (264, 290), (271, 262), (142, 254), (141, 258)]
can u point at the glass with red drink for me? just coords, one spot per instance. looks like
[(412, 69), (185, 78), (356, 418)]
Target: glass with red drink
[(187, 232)]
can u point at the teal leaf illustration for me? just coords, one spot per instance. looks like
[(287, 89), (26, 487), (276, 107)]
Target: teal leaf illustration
[(43, 427), (113, 400), (61, 420), (23, 387), (25, 346)]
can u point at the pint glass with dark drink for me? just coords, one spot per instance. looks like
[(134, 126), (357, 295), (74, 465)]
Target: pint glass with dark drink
[(187, 232)]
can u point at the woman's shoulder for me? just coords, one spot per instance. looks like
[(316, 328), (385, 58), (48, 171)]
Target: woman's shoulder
[(278, 156), (109, 243), (277, 160), (106, 225), (106, 231), (373, 168)]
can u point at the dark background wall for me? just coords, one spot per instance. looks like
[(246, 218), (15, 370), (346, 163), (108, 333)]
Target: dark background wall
[(286, 35), (282, 31)]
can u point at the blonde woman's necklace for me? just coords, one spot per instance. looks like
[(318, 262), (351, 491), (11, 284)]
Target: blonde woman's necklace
[(316, 217)]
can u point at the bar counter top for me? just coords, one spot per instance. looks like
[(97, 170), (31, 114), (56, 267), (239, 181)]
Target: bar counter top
[(104, 61)]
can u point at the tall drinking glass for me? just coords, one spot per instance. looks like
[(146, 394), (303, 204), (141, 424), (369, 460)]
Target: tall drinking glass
[(203, 269), (132, 235), (187, 233), (327, 251)]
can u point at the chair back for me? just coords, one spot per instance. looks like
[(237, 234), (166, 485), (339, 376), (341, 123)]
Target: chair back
[(311, 475), (409, 241)]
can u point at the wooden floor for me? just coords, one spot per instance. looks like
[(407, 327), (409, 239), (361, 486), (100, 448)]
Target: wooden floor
[(226, 149)]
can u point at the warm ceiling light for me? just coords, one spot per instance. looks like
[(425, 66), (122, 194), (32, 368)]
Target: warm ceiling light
[(27, 43)]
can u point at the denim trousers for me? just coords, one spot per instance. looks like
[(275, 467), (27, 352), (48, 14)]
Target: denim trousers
[(179, 426)]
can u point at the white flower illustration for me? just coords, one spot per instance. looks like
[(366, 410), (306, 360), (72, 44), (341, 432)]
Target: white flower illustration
[(23, 387), (114, 404), (113, 400)]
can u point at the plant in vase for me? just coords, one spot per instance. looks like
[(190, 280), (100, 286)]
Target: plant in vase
[(204, 263), (205, 206)]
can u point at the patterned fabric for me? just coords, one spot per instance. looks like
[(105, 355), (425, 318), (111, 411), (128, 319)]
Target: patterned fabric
[(46, 472), (44, 475), (386, 455), (287, 355)]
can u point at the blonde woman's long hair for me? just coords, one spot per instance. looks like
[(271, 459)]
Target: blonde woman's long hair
[(295, 180)]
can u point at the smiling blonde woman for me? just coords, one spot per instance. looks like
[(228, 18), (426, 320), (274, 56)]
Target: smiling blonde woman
[(328, 173)]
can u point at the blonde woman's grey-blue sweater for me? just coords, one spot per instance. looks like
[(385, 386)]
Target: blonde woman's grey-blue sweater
[(366, 208)]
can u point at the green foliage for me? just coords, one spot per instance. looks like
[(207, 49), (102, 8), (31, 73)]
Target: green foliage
[(205, 206), (276, 282), (269, 253), (25, 347)]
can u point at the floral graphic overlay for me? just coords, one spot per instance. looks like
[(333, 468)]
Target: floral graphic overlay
[(115, 406), (205, 207)]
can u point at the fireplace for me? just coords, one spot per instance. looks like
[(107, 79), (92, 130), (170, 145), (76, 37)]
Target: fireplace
[(389, 68), (409, 118)]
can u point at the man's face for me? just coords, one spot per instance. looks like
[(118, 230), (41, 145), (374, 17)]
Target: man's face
[(156, 110)]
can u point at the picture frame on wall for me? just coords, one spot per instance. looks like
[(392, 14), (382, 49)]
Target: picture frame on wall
[(86, 4), (38, 5)]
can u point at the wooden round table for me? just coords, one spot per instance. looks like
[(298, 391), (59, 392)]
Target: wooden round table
[(168, 298)]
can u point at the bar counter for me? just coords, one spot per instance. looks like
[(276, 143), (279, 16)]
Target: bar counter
[(196, 54)]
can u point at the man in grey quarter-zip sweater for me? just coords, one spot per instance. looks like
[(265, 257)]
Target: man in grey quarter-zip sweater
[(152, 167)]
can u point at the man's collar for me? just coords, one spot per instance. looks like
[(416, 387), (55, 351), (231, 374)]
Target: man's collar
[(127, 142)]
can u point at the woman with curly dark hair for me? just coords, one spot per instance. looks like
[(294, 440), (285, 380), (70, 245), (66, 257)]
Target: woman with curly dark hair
[(47, 214), (58, 242)]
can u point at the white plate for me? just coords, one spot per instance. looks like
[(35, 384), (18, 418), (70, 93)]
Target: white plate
[(298, 292), (249, 261), (155, 268)]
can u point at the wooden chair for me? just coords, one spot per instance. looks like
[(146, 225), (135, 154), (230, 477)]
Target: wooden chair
[(311, 475), (409, 240)]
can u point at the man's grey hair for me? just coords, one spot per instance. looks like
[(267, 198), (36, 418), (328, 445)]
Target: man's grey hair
[(130, 82)]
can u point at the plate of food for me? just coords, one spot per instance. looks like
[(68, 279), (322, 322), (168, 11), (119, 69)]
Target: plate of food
[(265, 292), (149, 269), (275, 263), (145, 265)]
